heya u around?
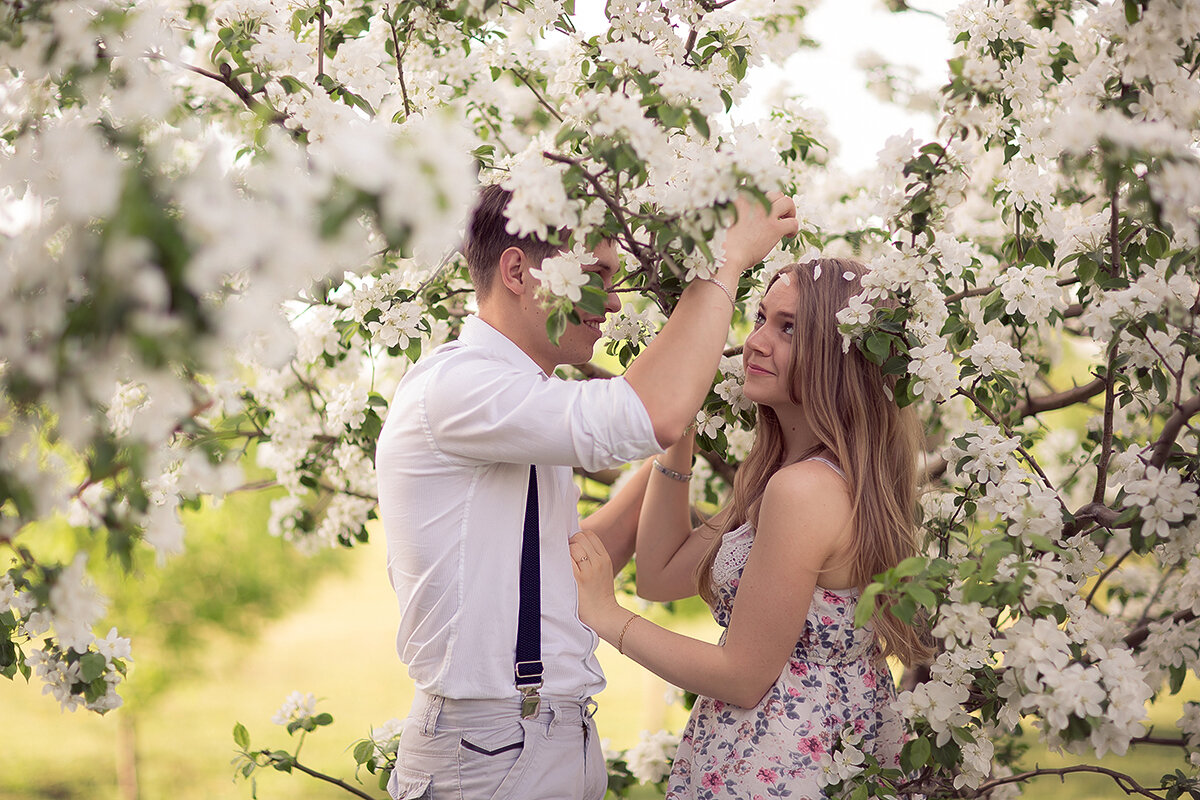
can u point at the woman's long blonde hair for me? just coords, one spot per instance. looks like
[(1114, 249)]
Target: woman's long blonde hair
[(875, 442)]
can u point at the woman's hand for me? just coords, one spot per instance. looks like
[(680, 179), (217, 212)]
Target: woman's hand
[(594, 574), (758, 230)]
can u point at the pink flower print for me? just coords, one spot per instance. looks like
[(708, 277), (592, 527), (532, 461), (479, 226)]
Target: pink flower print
[(799, 668), (826, 620), (830, 597), (860, 725), (718, 706), (869, 680), (793, 691), (768, 775), (811, 745), (711, 781)]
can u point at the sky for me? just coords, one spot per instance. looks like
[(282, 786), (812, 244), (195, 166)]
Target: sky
[(829, 79)]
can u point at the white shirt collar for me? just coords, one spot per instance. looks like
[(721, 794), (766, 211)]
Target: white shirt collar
[(477, 333)]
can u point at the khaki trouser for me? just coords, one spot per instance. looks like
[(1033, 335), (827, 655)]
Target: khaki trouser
[(483, 750)]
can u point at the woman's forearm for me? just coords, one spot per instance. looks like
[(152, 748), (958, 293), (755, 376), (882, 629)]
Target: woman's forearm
[(707, 669), (665, 522)]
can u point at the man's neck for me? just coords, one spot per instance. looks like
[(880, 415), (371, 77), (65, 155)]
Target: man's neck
[(512, 328)]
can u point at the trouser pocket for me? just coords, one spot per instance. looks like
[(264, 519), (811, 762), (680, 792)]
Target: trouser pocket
[(488, 757), (409, 784)]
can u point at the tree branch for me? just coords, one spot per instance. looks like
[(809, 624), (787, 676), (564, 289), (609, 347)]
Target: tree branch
[(1109, 409), (327, 778), (1140, 634), (1126, 782), (1162, 447), (1057, 400), (985, 290)]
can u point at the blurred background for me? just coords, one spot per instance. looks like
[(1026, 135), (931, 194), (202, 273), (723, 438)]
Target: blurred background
[(224, 633)]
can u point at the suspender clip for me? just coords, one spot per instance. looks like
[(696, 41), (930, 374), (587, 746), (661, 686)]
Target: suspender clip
[(531, 701)]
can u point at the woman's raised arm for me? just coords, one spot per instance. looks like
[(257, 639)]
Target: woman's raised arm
[(668, 548)]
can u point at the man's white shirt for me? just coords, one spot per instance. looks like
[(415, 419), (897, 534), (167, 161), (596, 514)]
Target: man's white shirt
[(453, 469)]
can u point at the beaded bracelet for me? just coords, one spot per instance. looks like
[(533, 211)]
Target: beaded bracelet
[(723, 288), (682, 477)]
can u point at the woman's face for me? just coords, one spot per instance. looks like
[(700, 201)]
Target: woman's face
[(767, 354)]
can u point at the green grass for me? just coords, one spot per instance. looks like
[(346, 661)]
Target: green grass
[(339, 645)]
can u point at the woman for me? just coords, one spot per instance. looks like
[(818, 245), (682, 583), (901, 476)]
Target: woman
[(824, 501)]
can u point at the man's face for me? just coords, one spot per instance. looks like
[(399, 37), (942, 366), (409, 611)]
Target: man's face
[(577, 342)]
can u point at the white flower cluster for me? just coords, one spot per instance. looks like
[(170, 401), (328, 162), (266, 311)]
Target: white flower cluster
[(650, 759), (631, 325), (74, 659), (562, 275), (1164, 500), (844, 761), (296, 708)]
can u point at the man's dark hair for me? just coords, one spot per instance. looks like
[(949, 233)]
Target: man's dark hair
[(488, 237)]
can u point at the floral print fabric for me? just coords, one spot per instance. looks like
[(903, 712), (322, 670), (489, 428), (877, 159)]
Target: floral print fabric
[(833, 678)]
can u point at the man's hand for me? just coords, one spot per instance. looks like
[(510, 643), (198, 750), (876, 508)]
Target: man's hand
[(757, 230)]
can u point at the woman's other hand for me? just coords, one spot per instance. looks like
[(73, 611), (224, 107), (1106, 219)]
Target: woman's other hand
[(594, 575)]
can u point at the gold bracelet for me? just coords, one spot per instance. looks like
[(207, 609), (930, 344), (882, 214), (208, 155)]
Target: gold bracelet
[(682, 477), (621, 638)]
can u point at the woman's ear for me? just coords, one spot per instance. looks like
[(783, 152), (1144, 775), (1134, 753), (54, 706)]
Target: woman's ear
[(512, 270)]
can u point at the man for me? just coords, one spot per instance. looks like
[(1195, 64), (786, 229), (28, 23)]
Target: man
[(453, 464)]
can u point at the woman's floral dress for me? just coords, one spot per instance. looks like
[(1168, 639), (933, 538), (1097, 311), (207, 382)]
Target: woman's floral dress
[(833, 678)]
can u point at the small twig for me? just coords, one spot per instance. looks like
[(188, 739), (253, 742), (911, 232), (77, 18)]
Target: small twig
[(400, 61), (542, 100), (1168, 741), (967, 393), (320, 39), (1104, 575), (1109, 411), (1114, 235), (327, 778)]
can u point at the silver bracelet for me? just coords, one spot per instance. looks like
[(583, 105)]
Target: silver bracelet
[(682, 477), (724, 289)]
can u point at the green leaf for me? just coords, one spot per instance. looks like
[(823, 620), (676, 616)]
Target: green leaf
[(363, 751), (916, 754), (866, 605), (878, 347), (1157, 244), (556, 323), (92, 666), (593, 296), (922, 595), (241, 736), (913, 565)]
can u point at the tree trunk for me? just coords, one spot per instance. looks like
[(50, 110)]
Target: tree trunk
[(127, 755)]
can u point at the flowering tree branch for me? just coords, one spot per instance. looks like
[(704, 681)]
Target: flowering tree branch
[(1126, 782), (1174, 424)]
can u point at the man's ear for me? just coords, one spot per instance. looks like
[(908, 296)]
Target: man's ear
[(513, 270)]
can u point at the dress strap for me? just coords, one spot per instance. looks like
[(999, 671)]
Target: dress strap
[(829, 464)]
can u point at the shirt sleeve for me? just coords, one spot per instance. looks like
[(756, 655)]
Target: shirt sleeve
[(487, 411)]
